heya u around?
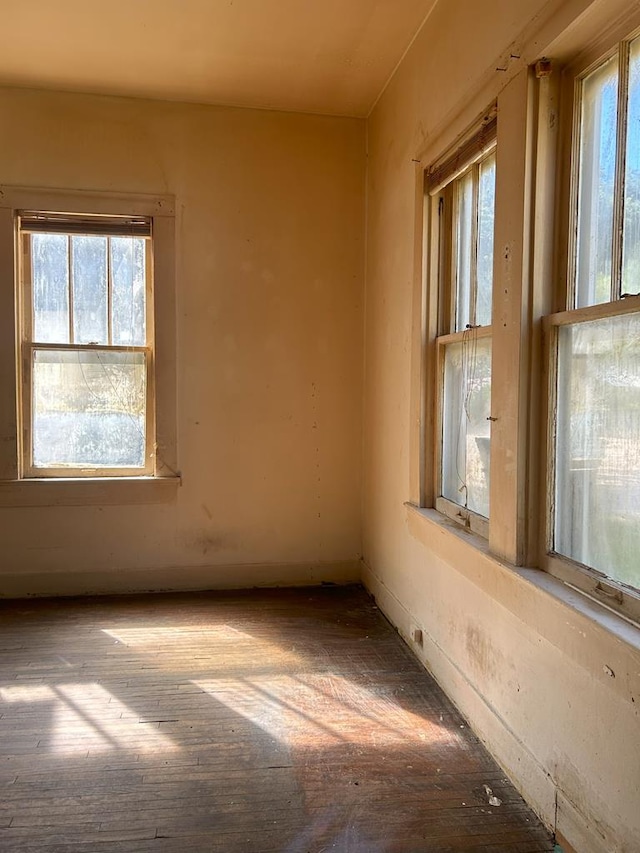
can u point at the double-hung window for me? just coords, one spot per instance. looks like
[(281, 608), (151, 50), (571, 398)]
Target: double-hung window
[(462, 191), (87, 348), (86, 345), (594, 345)]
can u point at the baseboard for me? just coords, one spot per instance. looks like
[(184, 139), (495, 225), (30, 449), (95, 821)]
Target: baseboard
[(575, 834), (529, 777), (177, 579)]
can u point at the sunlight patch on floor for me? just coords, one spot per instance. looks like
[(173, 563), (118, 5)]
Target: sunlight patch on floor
[(285, 706), (80, 718), (219, 647)]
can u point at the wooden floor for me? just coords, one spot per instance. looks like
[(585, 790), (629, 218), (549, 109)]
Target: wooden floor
[(289, 721)]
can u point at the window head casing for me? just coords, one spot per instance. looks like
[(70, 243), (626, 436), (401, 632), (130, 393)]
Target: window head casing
[(462, 191)]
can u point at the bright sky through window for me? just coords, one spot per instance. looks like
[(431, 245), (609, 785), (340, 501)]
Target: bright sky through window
[(86, 357)]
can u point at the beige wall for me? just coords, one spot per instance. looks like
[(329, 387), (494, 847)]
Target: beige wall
[(269, 279), (269, 315), (526, 660)]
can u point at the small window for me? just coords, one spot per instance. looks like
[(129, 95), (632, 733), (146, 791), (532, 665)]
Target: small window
[(464, 203), (594, 345), (87, 346)]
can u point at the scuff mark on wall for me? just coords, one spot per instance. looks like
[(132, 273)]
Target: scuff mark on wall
[(207, 541), (483, 655)]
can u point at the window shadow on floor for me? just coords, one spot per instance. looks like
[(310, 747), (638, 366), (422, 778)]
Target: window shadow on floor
[(291, 721)]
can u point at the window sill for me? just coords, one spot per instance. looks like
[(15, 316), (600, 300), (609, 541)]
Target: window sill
[(88, 491), (589, 633), (424, 524)]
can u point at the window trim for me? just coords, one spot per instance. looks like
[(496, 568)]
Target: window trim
[(618, 597), (28, 347), (439, 188), (532, 223), (526, 107), (16, 484)]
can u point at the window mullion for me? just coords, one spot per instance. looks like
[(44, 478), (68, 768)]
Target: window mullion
[(27, 324), (452, 278), (443, 241), (151, 444), (26, 294), (572, 271), (70, 285), (26, 439), (621, 144), (446, 291), (109, 294), (473, 248)]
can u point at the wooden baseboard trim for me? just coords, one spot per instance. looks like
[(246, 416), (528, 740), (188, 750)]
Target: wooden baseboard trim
[(574, 831), (177, 579)]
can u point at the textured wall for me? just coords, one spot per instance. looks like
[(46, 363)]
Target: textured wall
[(270, 219)]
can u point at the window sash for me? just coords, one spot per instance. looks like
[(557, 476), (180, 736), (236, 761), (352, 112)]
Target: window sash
[(29, 345), (621, 54), (617, 596), (462, 514), (444, 208), (459, 306), (27, 310)]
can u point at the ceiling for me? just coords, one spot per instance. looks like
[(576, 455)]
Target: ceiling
[(322, 56)]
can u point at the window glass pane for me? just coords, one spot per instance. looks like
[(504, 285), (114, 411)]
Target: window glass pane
[(89, 260), (128, 282), (596, 185), (50, 276), (598, 446), (464, 230), (631, 232), (486, 211), (466, 428), (88, 409)]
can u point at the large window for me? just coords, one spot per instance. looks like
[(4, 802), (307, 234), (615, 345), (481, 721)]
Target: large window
[(463, 200), (595, 343), (87, 345), (529, 420)]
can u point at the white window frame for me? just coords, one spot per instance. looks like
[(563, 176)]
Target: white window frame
[(616, 596), (440, 189), (18, 486)]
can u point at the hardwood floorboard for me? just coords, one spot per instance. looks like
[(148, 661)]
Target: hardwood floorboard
[(293, 721)]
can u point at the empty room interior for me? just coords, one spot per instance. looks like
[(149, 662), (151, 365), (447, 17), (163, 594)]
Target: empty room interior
[(320, 426)]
